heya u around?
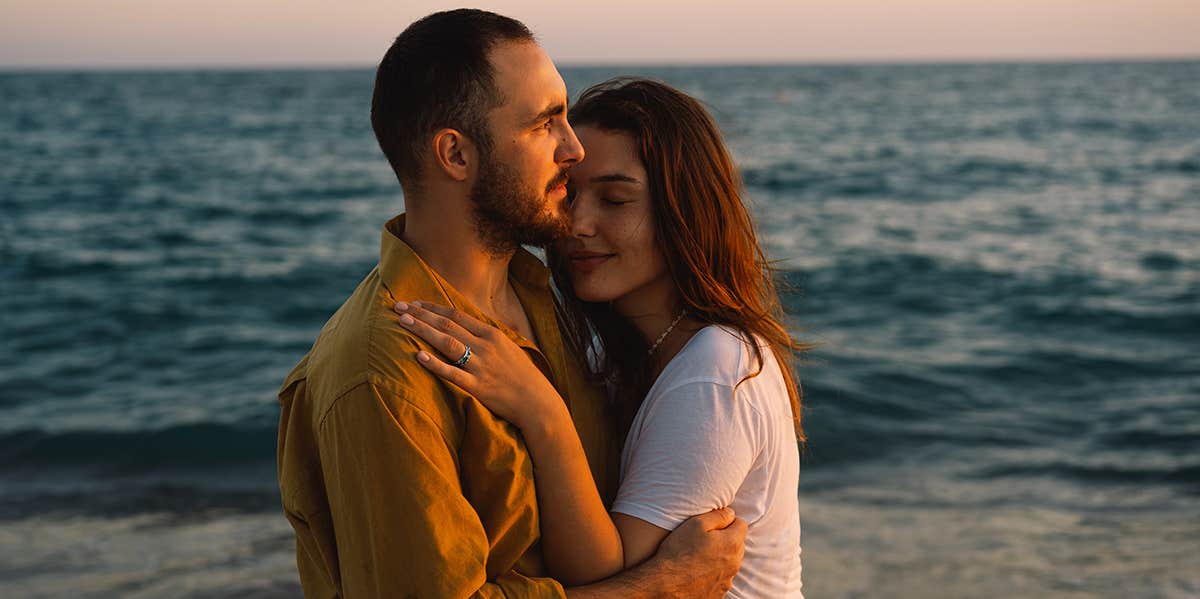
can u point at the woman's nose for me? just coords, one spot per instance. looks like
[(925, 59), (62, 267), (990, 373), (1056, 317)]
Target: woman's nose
[(583, 223)]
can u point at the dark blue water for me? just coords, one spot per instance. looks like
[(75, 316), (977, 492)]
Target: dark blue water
[(1002, 263)]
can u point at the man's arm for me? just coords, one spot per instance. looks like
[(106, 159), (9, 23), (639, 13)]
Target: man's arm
[(698, 559), (403, 527)]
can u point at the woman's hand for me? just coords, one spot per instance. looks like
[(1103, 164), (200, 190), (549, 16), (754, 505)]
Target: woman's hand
[(579, 539), (498, 372)]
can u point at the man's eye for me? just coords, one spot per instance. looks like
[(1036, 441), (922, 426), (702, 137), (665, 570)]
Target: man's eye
[(546, 125)]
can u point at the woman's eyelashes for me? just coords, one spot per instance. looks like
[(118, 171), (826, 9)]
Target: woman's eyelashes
[(573, 194)]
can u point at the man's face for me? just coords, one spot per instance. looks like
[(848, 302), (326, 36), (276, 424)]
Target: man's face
[(520, 188)]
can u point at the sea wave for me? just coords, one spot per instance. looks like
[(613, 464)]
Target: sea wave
[(199, 446)]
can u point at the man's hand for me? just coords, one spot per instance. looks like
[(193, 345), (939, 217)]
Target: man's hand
[(700, 558)]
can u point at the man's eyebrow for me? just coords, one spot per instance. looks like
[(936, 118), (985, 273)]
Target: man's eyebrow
[(615, 178), (552, 110)]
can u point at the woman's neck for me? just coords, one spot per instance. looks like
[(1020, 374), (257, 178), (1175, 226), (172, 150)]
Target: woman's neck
[(672, 344), (659, 316), (650, 309)]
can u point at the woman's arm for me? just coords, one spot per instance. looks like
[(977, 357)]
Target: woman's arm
[(580, 541), (639, 539)]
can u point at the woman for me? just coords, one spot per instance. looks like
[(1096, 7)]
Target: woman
[(663, 265)]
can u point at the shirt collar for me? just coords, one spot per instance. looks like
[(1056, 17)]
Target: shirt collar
[(408, 277), (398, 262)]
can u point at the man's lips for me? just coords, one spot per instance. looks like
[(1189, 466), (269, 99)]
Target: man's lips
[(559, 183)]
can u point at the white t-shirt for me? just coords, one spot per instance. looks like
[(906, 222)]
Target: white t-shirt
[(701, 441)]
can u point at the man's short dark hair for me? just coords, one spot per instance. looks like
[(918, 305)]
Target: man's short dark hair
[(437, 75)]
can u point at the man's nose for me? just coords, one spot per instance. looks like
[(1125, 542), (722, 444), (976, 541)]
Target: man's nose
[(570, 151)]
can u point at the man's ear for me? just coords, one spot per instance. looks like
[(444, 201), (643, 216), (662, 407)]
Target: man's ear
[(454, 153)]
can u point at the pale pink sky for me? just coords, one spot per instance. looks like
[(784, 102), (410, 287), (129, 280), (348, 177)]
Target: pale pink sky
[(166, 33)]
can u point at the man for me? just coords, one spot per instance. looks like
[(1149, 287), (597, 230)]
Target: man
[(399, 485)]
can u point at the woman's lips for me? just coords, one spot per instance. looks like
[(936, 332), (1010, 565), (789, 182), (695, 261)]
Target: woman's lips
[(586, 262)]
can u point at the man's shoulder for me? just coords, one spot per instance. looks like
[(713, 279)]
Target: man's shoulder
[(363, 347)]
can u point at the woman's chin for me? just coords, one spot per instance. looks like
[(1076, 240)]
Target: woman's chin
[(591, 295)]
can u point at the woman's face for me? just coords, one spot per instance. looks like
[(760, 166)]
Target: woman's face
[(612, 251)]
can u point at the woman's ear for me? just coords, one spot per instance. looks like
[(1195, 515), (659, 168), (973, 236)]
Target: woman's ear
[(454, 153)]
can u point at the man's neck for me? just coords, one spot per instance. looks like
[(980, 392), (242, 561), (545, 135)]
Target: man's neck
[(449, 244)]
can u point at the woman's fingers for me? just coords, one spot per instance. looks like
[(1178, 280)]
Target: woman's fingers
[(443, 334), (466, 321), (443, 320), (447, 337), (458, 376)]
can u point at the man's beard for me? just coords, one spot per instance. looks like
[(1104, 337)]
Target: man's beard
[(508, 214)]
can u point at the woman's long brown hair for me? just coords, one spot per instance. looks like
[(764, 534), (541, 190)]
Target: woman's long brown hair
[(702, 228)]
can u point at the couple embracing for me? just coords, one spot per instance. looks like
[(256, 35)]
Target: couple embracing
[(473, 423)]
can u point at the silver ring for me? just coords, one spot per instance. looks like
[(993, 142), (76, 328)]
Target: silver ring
[(466, 356)]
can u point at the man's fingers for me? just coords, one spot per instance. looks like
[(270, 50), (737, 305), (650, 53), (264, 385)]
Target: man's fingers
[(715, 520), (738, 530), (738, 526), (462, 319), (732, 536)]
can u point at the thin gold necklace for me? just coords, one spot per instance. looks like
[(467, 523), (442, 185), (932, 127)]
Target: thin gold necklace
[(658, 342)]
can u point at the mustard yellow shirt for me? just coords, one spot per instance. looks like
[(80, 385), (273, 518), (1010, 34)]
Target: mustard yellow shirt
[(400, 485)]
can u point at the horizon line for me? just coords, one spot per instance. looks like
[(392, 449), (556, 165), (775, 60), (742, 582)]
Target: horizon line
[(569, 64)]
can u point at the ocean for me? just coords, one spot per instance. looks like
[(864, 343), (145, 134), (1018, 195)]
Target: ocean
[(1001, 263)]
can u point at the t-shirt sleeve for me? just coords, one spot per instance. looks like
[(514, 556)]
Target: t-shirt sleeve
[(692, 450)]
